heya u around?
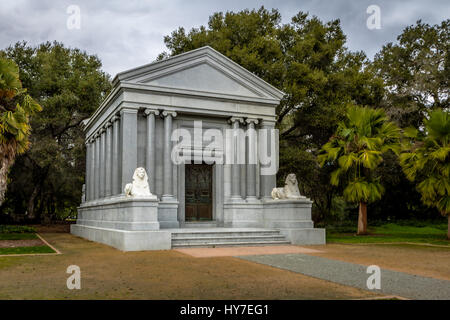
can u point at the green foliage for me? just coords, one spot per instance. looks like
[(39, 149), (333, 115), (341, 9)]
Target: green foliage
[(416, 72), (426, 160), (70, 85), (307, 59), (16, 107), (357, 149)]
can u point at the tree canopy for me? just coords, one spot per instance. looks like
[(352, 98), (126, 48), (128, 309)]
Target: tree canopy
[(70, 85), (307, 59), (16, 107)]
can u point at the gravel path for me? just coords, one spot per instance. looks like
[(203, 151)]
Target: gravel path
[(355, 275)]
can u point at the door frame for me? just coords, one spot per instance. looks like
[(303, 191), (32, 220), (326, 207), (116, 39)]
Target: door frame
[(212, 193)]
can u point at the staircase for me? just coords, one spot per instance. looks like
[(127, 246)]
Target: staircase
[(226, 237)]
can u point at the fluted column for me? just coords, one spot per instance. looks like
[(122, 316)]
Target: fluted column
[(167, 164), (91, 188), (115, 179), (269, 139), (251, 159), (108, 160), (128, 144), (150, 159), (87, 188), (235, 166), (97, 167), (102, 162)]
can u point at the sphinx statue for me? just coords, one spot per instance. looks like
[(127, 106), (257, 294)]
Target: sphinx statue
[(289, 191), (139, 187)]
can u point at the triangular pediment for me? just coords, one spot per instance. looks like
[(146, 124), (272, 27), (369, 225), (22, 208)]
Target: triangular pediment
[(202, 70), (205, 78)]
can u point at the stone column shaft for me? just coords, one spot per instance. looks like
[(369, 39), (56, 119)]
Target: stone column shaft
[(87, 188), (102, 163), (167, 164), (150, 159), (235, 167), (128, 143), (115, 168), (268, 182), (97, 167), (252, 159), (92, 171), (108, 160)]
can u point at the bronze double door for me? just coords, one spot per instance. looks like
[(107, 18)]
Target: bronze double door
[(198, 193)]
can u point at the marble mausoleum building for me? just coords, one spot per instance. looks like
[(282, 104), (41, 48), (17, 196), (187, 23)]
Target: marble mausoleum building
[(199, 124)]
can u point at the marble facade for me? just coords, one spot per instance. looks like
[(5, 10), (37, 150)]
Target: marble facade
[(133, 128)]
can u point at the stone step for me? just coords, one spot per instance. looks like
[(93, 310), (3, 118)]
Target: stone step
[(200, 224), (230, 244), (226, 237), (200, 234), (193, 240)]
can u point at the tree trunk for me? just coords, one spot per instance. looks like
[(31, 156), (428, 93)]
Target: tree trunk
[(362, 219), (7, 159), (30, 209)]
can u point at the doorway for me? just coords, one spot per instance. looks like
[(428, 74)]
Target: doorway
[(198, 193)]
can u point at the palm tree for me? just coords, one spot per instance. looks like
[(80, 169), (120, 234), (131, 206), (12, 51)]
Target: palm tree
[(427, 160), (357, 149), (15, 109)]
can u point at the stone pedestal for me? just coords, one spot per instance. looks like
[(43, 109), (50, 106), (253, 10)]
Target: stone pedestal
[(293, 219), (243, 215), (168, 214), (128, 224), (132, 214)]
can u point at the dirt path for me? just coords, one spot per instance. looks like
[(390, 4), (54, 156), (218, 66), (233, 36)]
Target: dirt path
[(21, 243), (415, 259), (107, 273)]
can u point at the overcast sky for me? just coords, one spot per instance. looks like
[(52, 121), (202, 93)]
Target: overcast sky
[(129, 33)]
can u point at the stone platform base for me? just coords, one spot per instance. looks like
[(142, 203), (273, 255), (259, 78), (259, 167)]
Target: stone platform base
[(305, 236), (125, 240), (291, 217)]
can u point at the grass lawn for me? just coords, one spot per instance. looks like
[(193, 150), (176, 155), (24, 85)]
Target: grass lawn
[(21, 240), (27, 250), (433, 234)]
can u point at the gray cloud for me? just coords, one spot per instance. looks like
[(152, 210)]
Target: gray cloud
[(126, 34)]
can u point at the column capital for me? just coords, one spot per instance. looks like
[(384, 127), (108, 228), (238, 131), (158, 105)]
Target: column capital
[(114, 118), (96, 135), (234, 119), (149, 111), (107, 124), (166, 113), (128, 110), (102, 130), (252, 120), (267, 123)]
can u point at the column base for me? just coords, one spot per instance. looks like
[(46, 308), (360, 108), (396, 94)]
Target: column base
[(168, 198), (236, 199), (252, 199)]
